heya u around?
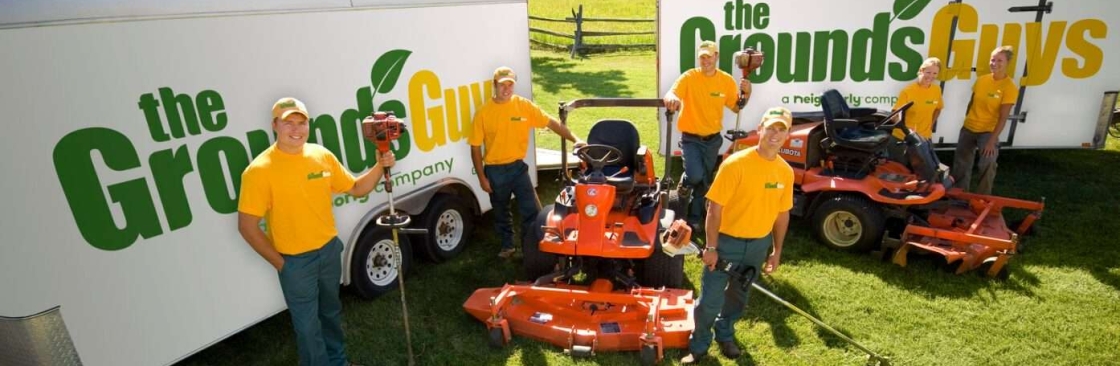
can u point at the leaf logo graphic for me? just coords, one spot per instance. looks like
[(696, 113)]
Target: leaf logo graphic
[(383, 78), (908, 9)]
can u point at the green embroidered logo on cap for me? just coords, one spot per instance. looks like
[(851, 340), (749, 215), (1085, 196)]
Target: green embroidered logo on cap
[(287, 104)]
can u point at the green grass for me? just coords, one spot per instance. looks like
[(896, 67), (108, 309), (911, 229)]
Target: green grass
[(559, 9)]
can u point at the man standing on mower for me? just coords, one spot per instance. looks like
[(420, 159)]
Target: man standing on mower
[(993, 95), (503, 126), (748, 214), (704, 92), (290, 186)]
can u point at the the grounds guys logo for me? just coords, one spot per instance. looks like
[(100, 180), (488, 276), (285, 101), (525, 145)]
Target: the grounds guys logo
[(860, 54), (117, 174)]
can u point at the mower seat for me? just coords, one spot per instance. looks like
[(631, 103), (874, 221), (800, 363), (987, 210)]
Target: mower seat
[(621, 135), (844, 131)]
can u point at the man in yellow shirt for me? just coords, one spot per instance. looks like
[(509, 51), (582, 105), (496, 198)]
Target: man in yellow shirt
[(703, 93), (503, 126), (993, 95), (748, 214), (290, 186)]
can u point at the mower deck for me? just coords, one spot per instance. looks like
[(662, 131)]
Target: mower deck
[(587, 319), (972, 231)]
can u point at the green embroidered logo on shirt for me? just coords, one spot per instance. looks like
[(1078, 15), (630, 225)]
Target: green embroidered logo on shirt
[(717, 94), (318, 175), (772, 185), (931, 102), (995, 95), (518, 119)]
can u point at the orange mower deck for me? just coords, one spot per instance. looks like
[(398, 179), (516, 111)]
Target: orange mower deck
[(973, 232), (587, 319)]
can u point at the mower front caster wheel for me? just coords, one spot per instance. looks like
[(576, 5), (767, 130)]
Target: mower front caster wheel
[(497, 339), (649, 355)]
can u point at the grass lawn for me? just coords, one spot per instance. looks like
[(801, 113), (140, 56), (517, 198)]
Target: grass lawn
[(1060, 306)]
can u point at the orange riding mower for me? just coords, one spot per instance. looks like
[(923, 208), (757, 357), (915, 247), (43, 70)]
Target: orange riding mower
[(605, 260), (859, 198)]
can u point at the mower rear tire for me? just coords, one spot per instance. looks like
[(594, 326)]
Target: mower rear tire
[(449, 226), (373, 270), (662, 270), (849, 223), (535, 262)]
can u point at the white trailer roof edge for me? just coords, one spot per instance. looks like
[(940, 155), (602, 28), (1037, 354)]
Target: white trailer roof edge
[(44, 13)]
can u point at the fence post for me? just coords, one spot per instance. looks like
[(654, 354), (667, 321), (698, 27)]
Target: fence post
[(578, 39)]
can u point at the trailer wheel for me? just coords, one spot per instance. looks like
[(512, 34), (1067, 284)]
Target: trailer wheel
[(849, 223), (535, 262), (497, 339), (373, 269), (449, 226), (676, 204), (662, 270), (649, 355)]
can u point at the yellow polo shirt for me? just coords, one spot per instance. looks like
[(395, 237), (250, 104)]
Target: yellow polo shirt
[(752, 191), (293, 194), (504, 128), (988, 94), (703, 99), (919, 118)]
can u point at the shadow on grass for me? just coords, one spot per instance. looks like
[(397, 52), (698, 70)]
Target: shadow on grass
[(554, 74)]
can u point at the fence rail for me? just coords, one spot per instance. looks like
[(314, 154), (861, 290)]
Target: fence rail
[(578, 47)]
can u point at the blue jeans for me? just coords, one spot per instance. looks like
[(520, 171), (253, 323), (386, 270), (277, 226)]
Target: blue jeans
[(512, 179), (310, 282), (722, 299), (699, 172)]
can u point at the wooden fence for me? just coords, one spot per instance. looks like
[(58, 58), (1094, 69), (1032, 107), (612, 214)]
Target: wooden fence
[(578, 46)]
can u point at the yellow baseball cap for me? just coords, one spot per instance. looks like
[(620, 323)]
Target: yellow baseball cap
[(503, 74), (777, 115), (707, 48), (286, 106)]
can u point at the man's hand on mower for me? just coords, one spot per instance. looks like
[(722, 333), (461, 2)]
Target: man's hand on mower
[(710, 258), (579, 143), (485, 183), (387, 159)]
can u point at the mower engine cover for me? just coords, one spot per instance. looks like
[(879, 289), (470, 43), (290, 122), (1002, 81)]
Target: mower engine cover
[(748, 60)]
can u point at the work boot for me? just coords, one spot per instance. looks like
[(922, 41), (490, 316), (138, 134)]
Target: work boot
[(729, 349), (507, 252), (692, 358)]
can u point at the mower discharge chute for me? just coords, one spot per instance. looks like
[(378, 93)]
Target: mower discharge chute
[(606, 260), (859, 199)]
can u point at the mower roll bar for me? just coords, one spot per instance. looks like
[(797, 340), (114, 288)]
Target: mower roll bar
[(567, 107)]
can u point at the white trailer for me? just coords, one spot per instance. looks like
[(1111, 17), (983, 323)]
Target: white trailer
[(870, 49), (129, 124)]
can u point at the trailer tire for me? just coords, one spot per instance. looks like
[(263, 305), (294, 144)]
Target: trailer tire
[(849, 223), (372, 272), (535, 262), (675, 203), (449, 224), (662, 270)]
